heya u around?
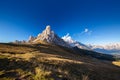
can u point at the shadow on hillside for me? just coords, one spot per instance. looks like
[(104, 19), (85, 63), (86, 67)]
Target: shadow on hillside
[(8, 64), (9, 67), (49, 49), (74, 71), (94, 70)]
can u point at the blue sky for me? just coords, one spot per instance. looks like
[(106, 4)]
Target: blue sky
[(88, 21)]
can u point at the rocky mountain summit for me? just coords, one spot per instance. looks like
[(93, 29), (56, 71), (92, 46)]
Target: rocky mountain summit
[(50, 37)]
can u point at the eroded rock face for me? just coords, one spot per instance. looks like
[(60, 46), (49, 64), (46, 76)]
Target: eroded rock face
[(47, 35), (50, 37), (31, 39)]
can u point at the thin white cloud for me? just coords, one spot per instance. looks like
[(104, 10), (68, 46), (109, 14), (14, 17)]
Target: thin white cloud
[(86, 31)]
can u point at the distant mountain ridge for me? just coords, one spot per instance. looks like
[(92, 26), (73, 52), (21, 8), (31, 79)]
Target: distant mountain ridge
[(49, 36), (115, 46), (108, 49), (67, 38), (112, 48)]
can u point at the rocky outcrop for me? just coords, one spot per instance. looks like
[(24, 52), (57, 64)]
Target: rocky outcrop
[(31, 39)]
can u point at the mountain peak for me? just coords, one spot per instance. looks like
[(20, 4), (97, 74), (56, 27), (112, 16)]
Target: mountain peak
[(48, 29), (50, 37)]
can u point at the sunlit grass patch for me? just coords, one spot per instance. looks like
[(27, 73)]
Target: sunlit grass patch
[(117, 63)]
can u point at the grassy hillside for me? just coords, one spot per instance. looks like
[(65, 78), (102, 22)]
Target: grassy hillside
[(49, 62)]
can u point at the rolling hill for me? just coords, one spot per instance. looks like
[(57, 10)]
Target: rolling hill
[(44, 61)]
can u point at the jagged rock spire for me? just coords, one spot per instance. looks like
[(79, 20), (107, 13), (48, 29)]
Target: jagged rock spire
[(31, 38), (48, 30), (48, 27), (49, 36)]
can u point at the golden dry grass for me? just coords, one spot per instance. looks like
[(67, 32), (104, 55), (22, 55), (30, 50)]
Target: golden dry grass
[(117, 63), (50, 62)]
